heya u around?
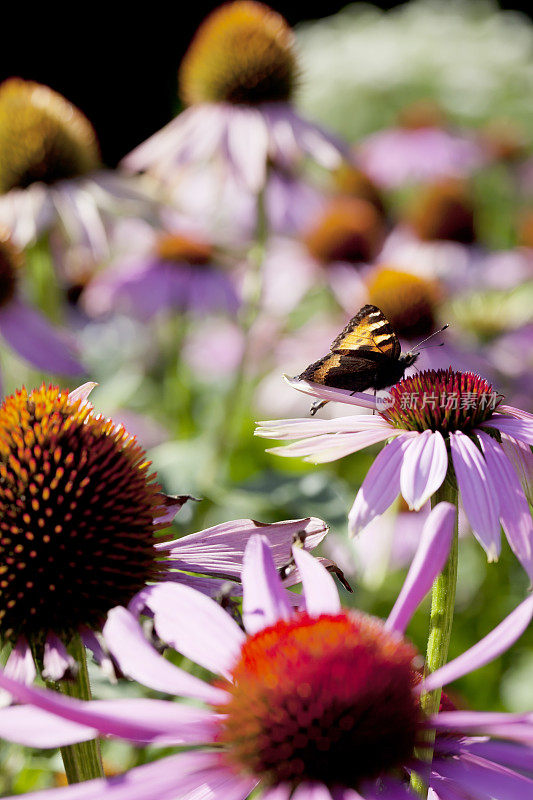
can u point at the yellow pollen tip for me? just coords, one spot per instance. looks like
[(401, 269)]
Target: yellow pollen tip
[(43, 137), (242, 53)]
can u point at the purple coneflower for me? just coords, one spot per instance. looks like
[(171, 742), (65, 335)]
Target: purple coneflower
[(51, 176), (176, 268), (79, 516), (310, 703), (428, 418), (419, 149), (238, 77), (23, 327)]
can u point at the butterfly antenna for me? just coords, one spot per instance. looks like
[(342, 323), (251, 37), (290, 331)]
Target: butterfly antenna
[(416, 347)]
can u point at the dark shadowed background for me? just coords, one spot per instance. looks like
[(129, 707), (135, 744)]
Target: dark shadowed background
[(118, 63)]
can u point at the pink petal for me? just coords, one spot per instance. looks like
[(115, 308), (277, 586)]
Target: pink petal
[(82, 392), (424, 468), (482, 722), (305, 427), (56, 660), (521, 429), (321, 595), (280, 792), (92, 643), (247, 143), (33, 727), (428, 562), (477, 493), (311, 791), (138, 720), (322, 449), (381, 485), (361, 399), (521, 457), (489, 648), (515, 515), (197, 627), (264, 598), (20, 665), (140, 661), (171, 504), (219, 550), (33, 338)]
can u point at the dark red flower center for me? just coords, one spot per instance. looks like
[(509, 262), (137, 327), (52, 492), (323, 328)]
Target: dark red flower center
[(349, 229), (408, 301), (443, 211), (441, 400), (326, 699)]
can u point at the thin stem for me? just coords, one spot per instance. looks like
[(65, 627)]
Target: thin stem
[(82, 761), (440, 628)]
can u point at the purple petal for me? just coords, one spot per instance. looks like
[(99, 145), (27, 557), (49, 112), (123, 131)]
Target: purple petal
[(56, 660), (507, 753), (197, 627), (220, 549), (521, 457), (303, 427), (138, 720), (323, 449), (165, 779), (485, 779), (461, 722), (264, 598), (140, 661), (280, 792), (489, 648), (33, 338), (171, 505), (321, 595), (33, 727), (424, 468), (247, 143), (91, 642), (20, 665), (521, 429), (381, 485), (477, 493), (428, 562), (515, 515)]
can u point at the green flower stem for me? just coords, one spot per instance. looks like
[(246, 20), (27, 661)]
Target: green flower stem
[(46, 293), (440, 628), (82, 761)]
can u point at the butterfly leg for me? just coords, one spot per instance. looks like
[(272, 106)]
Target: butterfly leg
[(317, 405)]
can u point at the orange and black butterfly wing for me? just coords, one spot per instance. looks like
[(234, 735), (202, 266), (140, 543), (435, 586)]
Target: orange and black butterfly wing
[(345, 371), (368, 332)]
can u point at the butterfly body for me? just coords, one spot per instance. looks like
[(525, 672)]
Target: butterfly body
[(365, 355)]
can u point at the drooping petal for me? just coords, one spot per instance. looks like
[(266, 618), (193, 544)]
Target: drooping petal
[(311, 791), (247, 144), (102, 658), (197, 627), (280, 792), (428, 562), (521, 457), (56, 660), (515, 515), (321, 595), (264, 597), (477, 493), (381, 485), (140, 661), (20, 665), (424, 468), (219, 550), (521, 429), (486, 650), (32, 337)]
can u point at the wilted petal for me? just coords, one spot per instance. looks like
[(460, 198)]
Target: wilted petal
[(477, 493)]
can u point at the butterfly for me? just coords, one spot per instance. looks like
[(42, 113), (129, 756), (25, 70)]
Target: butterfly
[(365, 355)]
